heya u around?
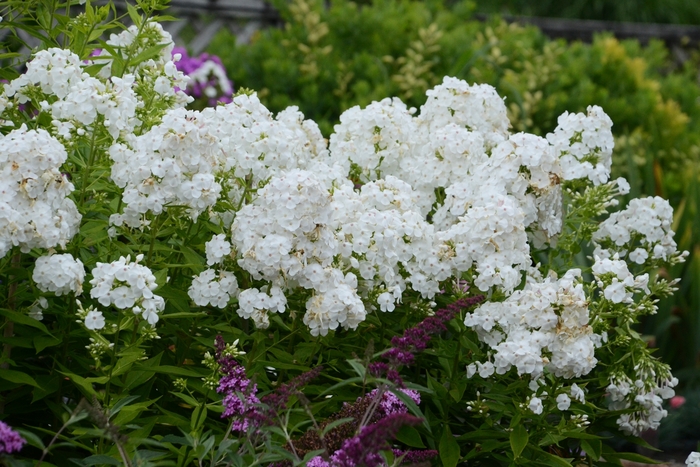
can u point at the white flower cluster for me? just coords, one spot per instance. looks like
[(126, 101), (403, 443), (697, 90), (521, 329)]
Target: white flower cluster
[(159, 73), (288, 236), (35, 211), (584, 145), (173, 163), (74, 98), (616, 281), (191, 157), (316, 231), (642, 230), (254, 144), (60, 274), (646, 399), (374, 139), (212, 288), (127, 285), (544, 325)]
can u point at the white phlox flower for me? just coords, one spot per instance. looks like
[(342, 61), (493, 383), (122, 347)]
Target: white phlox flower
[(35, 211), (94, 320), (584, 144), (59, 274), (127, 285), (210, 288), (644, 228), (693, 460), (551, 315)]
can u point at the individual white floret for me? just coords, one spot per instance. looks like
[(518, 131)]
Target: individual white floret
[(94, 320), (693, 460), (563, 402), (535, 405), (60, 274), (578, 394)]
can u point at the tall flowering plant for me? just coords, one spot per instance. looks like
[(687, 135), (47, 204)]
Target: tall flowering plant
[(471, 293)]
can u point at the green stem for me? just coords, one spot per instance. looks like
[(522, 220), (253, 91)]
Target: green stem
[(9, 330)]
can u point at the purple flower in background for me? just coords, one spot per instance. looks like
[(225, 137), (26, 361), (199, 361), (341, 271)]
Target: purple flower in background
[(208, 77), (10, 440), (416, 339), (277, 400), (240, 401), (364, 448), (391, 404), (415, 457)]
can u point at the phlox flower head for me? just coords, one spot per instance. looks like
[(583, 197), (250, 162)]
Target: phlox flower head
[(127, 285), (59, 274)]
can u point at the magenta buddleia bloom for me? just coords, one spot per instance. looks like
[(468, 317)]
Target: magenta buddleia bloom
[(10, 440), (391, 404), (416, 339), (240, 401), (277, 400), (364, 448)]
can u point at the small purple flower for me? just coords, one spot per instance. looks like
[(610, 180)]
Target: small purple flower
[(391, 404), (10, 440), (318, 462)]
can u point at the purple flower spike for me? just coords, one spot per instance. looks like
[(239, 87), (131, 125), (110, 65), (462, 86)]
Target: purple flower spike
[(415, 457), (240, 401), (364, 448), (10, 440)]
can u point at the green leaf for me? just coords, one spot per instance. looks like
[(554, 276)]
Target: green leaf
[(199, 416), (518, 439), (634, 457), (177, 371), (81, 382), (593, 447), (19, 318), (41, 342), (358, 367), (449, 449), (32, 439), (554, 461), (130, 412), (101, 459), (409, 436), (18, 377), (114, 410)]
